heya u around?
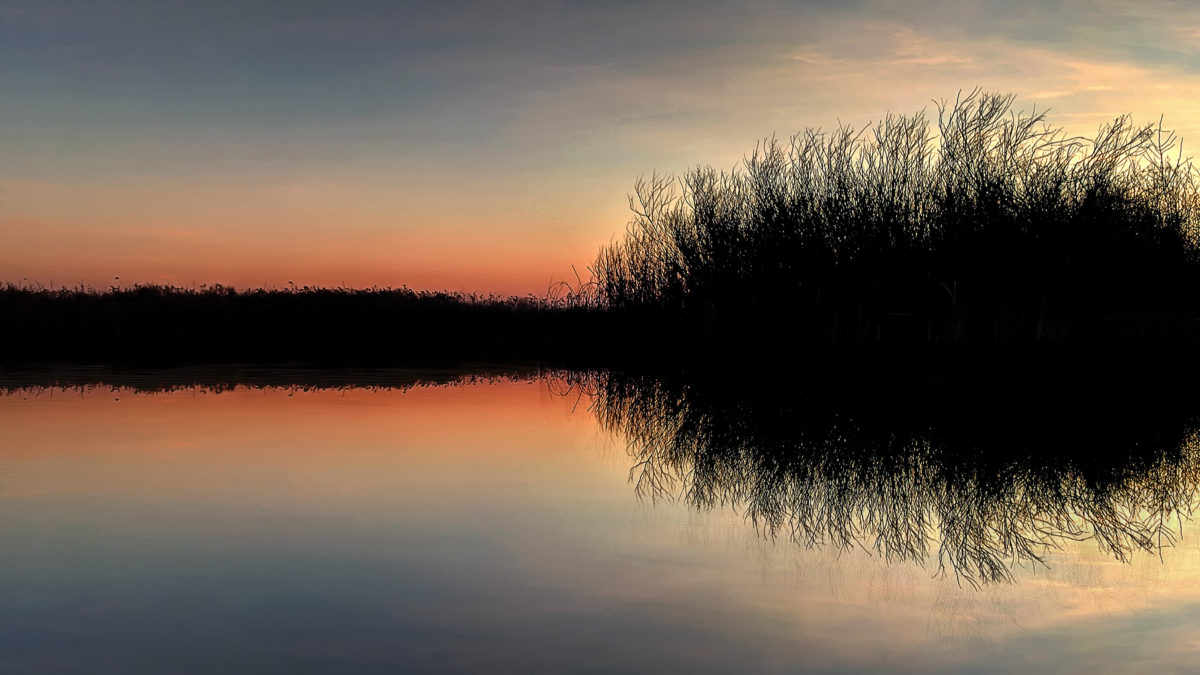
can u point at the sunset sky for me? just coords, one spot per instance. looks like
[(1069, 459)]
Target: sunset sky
[(480, 146)]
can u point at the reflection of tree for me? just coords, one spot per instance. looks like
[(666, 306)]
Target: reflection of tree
[(980, 492)]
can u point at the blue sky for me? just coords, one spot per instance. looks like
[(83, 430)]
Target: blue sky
[(480, 145)]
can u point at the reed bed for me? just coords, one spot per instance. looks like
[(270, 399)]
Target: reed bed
[(988, 227)]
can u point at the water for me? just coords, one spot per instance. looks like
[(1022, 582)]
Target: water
[(496, 527)]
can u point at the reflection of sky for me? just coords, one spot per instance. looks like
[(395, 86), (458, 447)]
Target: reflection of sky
[(480, 528), (479, 144)]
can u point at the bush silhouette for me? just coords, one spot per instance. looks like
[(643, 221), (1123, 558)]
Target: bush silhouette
[(992, 227)]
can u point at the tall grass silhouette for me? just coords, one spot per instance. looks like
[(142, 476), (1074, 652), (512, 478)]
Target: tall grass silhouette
[(990, 226)]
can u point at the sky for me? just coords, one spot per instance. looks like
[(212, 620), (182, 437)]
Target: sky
[(481, 146)]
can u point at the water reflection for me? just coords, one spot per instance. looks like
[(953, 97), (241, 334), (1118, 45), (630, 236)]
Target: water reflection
[(491, 527), (975, 485), (218, 379), (970, 483)]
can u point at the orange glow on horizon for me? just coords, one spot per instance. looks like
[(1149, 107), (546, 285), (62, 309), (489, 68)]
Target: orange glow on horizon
[(180, 259)]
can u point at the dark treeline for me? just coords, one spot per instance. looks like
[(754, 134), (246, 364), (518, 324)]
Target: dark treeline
[(163, 325), (987, 242), (972, 483)]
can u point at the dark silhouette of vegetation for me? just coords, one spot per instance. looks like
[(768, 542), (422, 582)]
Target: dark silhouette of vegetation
[(977, 482), (994, 230), (150, 324)]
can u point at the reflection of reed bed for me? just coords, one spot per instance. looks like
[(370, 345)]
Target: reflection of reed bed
[(976, 499)]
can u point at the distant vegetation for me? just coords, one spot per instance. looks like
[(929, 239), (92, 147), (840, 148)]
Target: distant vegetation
[(166, 325), (987, 234)]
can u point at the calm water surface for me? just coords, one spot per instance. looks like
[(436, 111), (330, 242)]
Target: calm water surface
[(485, 527)]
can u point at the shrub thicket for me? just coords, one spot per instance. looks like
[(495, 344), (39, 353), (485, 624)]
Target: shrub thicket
[(992, 227)]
